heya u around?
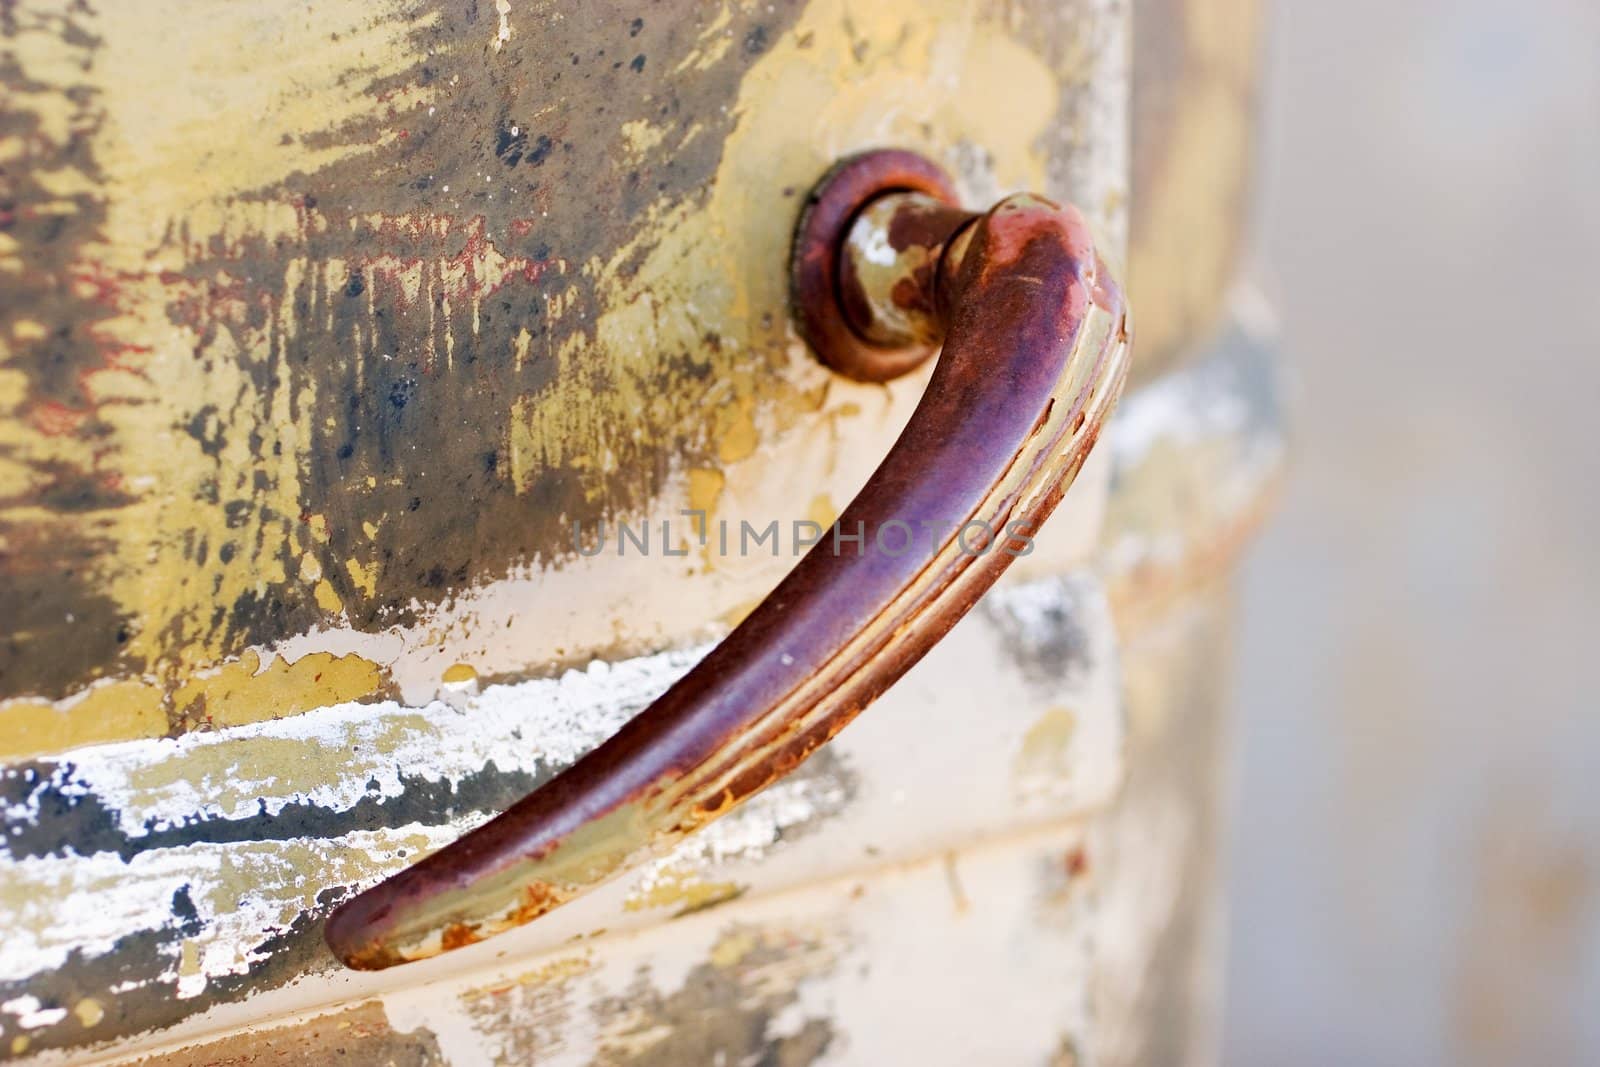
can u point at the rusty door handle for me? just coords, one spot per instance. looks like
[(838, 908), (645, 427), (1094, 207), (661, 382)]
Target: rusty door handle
[(1035, 350)]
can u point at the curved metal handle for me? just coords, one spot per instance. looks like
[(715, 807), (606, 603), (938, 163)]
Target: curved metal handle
[(1034, 356)]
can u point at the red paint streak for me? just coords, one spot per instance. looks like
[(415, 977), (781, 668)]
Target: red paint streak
[(118, 354), (1076, 862), (467, 274), (403, 261), (93, 281), (54, 419), (418, 260)]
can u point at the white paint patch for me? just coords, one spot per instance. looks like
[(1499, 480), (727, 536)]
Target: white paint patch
[(56, 905), (242, 894), (31, 1014), (533, 726), (503, 34)]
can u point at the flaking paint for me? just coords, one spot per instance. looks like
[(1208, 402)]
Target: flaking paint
[(401, 242)]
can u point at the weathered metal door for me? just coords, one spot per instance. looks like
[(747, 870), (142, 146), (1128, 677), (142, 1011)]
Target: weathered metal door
[(378, 386)]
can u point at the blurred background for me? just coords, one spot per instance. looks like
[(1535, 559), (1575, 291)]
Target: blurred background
[(1415, 865)]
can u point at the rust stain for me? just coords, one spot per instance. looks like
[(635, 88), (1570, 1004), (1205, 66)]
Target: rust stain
[(1076, 862), (459, 935)]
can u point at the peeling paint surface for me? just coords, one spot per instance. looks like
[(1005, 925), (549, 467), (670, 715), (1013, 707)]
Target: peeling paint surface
[(189, 873), (842, 972), (361, 1031), (318, 331), (324, 349), (204, 862)]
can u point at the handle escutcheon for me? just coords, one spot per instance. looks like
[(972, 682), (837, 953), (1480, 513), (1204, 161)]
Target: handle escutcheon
[(1035, 344)]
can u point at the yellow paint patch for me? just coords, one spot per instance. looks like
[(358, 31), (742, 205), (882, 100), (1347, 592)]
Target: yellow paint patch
[(247, 866), (738, 437), (327, 599), (181, 142), (89, 1011), (459, 674), (1047, 746), (641, 136), (239, 692), (683, 891), (821, 511), (733, 947), (243, 692), (116, 712), (567, 424), (195, 132), (296, 767), (739, 612), (365, 576), (705, 487)]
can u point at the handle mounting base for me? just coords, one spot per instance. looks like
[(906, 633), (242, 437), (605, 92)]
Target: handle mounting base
[(824, 228)]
